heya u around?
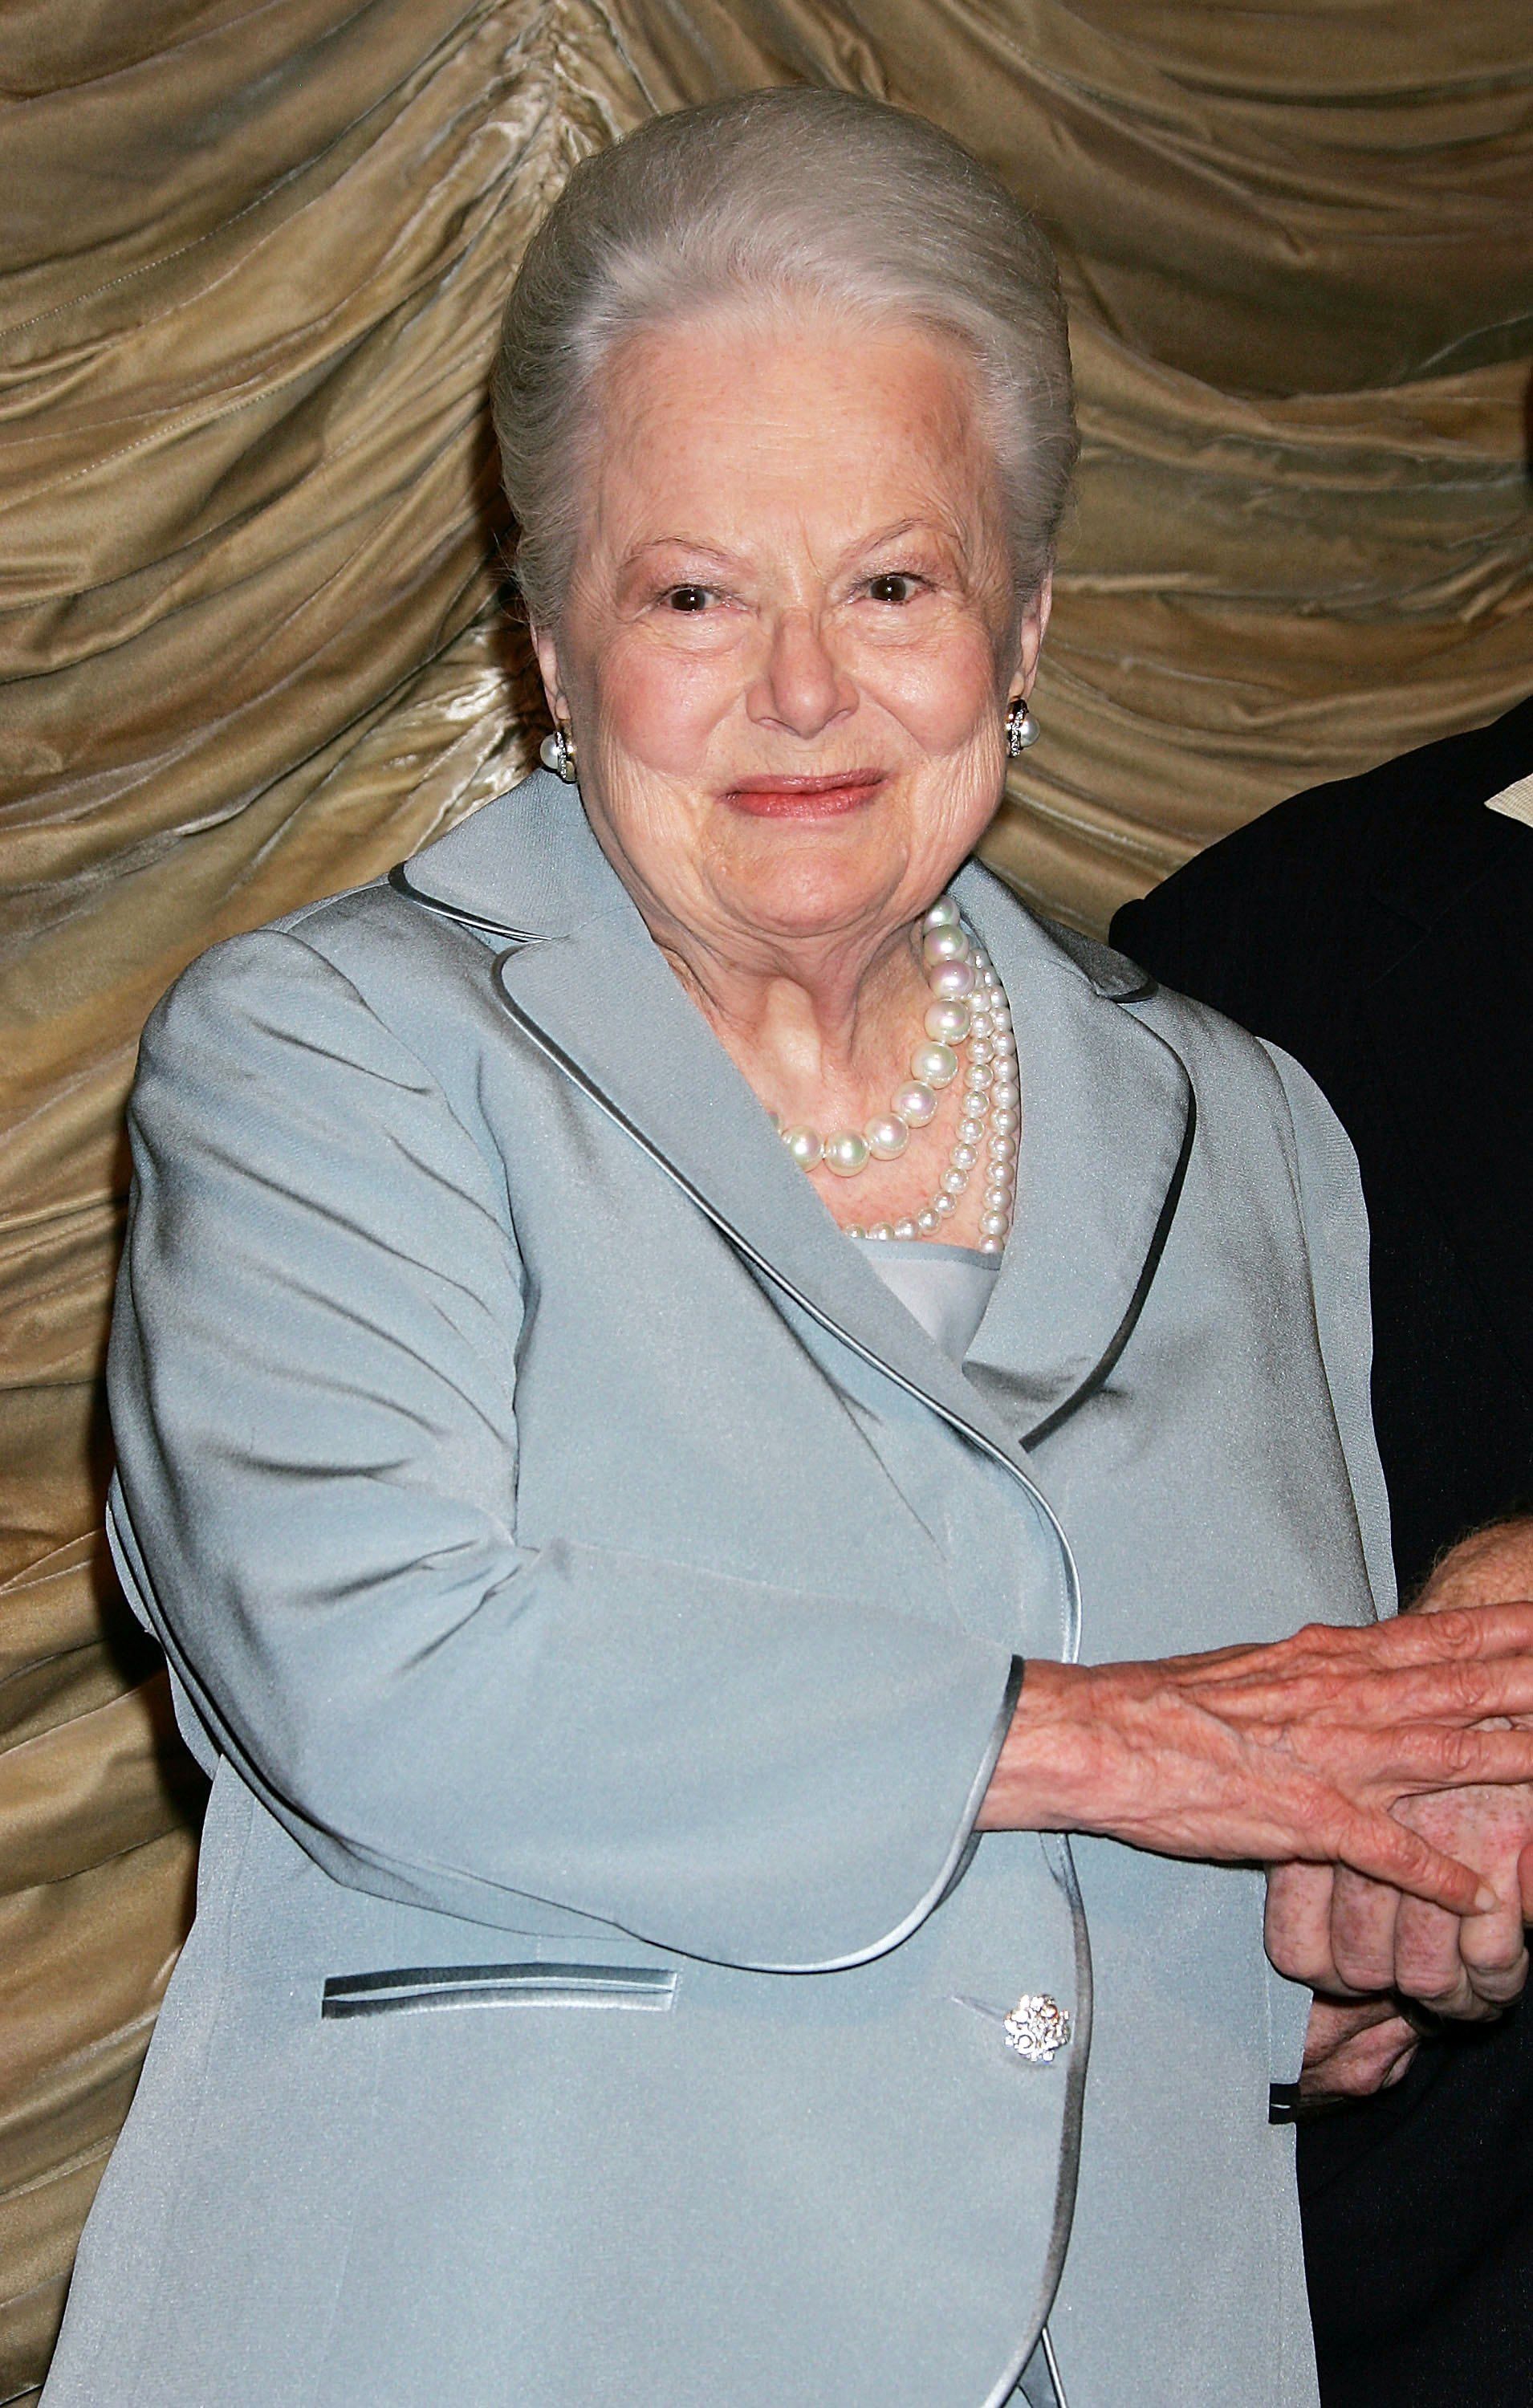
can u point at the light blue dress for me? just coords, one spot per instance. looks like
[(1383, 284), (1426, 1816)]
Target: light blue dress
[(945, 1288)]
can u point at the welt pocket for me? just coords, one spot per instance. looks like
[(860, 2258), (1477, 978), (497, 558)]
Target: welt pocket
[(409, 1989)]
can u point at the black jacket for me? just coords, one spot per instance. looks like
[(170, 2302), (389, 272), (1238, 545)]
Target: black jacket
[(1382, 929)]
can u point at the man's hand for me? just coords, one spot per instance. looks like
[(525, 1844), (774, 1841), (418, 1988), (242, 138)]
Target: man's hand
[(1491, 1566), (1352, 2051), (1353, 1936)]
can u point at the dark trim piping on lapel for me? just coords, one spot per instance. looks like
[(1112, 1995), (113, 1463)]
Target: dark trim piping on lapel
[(1115, 978), (485, 927), (1061, 1864), (1109, 1105), (1106, 1362)]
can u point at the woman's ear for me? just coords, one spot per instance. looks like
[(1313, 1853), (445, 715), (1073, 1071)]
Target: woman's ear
[(547, 653), (1031, 629)]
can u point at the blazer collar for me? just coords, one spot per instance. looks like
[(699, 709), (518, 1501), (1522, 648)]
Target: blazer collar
[(1107, 1113), (526, 866)]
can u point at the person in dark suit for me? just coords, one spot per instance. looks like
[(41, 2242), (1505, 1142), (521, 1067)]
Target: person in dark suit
[(1381, 929)]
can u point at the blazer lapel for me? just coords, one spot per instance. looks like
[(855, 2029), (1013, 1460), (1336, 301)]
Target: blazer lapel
[(1107, 1123), (1107, 1117), (605, 1007)]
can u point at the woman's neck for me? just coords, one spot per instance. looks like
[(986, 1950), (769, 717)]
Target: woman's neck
[(824, 1040), (844, 1061)]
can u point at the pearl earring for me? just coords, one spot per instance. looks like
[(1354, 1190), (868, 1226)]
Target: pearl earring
[(557, 752), (1022, 728)]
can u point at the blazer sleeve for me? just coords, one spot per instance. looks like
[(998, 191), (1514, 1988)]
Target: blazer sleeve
[(1337, 1233), (312, 1383)]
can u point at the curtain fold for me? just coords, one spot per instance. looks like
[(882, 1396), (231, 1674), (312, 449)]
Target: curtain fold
[(253, 644)]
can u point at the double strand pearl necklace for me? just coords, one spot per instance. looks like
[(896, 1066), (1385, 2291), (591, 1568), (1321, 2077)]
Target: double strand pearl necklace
[(968, 1008)]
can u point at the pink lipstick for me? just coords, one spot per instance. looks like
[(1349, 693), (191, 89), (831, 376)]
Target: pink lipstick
[(772, 797)]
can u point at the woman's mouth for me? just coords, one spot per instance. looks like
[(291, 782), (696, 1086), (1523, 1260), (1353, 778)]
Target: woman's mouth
[(827, 798)]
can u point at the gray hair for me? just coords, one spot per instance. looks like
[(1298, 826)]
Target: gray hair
[(797, 195)]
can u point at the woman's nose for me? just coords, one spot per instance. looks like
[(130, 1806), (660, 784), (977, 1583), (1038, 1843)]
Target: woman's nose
[(801, 687)]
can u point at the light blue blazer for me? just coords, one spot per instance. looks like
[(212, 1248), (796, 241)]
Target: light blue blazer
[(597, 1604)]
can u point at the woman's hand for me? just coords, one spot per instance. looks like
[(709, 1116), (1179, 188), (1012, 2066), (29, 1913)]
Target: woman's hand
[(1291, 1753)]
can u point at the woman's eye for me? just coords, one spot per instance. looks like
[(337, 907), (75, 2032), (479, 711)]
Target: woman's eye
[(896, 586), (688, 597)]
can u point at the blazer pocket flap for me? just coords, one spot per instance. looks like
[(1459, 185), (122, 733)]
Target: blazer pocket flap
[(409, 1988)]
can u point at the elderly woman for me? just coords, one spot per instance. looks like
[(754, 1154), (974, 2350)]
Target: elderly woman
[(648, 1345)]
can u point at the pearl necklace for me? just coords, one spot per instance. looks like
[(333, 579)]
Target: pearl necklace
[(968, 1007)]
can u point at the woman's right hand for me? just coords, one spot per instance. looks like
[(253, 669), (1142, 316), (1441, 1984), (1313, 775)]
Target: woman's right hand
[(1291, 1753)]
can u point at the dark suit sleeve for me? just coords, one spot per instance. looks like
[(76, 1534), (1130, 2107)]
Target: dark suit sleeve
[(1283, 922), (1237, 926)]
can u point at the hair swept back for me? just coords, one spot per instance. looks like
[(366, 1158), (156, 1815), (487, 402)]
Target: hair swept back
[(777, 199)]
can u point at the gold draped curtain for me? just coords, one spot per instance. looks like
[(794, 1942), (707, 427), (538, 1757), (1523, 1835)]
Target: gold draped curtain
[(253, 649)]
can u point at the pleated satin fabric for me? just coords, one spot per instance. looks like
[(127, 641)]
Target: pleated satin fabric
[(254, 650)]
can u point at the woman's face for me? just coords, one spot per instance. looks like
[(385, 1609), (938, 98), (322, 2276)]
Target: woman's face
[(791, 633)]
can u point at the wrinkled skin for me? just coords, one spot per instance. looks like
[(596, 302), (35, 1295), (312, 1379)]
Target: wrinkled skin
[(1301, 1750), (1364, 1946)]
